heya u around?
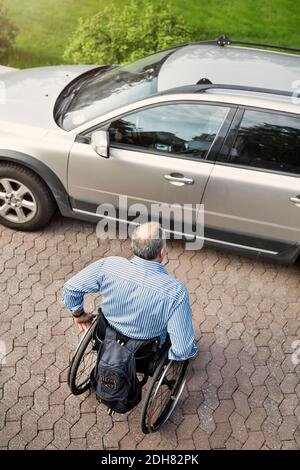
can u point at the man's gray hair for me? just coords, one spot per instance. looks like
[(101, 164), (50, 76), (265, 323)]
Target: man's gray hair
[(148, 240)]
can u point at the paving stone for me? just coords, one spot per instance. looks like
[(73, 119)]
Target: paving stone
[(115, 435), (241, 403), (288, 427), (233, 444), (61, 434), (16, 412), (259, 375), (270, 431), (48, 420), (254, 441), (274, 390), (77, 444), (289, 383), (288, 405), (17, 443), (273, 412), (289, 445), (206, 419), (239, 430), (201, 440), (151, 442), (219, 437), (80, 429), (11, 429), (29, 428), (224, 410), (187, 426), (255, 419), (258, 396)]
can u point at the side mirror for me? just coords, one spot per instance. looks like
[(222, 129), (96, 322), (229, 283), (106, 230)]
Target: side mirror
[(100, 143)]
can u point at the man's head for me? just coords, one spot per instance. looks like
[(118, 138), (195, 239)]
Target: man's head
[(148, 241)]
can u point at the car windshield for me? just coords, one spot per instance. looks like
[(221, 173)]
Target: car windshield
[(117, 87)]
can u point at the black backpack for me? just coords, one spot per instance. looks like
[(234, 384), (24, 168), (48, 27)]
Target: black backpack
[(114, 376)]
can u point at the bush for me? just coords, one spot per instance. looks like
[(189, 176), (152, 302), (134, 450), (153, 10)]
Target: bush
[(8, 31), (122, 34)]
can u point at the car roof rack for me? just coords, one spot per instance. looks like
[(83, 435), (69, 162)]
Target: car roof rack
[(200, 88), (226, 41)]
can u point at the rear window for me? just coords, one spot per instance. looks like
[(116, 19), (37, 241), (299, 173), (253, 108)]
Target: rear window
[(268, 140)]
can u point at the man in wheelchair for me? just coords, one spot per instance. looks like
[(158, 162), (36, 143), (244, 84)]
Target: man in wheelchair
[(142, 303)]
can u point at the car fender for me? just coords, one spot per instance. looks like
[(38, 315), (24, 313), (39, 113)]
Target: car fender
[(46, 174)]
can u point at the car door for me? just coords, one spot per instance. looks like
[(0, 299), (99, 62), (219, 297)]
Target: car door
[(158, 155), (253, 195)]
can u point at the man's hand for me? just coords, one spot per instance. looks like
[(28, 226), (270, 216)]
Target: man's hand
[(84, 321)]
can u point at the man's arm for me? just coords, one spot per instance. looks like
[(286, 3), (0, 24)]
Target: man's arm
[(181, 331), (86, 281)]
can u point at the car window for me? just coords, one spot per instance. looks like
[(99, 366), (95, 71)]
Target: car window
[(268, 140), (180, 129)]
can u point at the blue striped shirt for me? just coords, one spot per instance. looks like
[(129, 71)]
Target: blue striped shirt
[(139, 299)]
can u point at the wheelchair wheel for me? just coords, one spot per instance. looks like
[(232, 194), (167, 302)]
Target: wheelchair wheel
[(83, 362), (164, 391)]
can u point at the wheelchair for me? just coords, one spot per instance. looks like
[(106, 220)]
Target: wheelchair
[(167, 377)]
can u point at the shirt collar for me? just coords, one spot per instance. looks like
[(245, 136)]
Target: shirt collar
[(148, 264)]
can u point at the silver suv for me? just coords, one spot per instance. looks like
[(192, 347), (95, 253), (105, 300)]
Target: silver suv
[(206, 123)]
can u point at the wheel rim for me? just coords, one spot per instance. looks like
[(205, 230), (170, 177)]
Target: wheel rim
[(17, 203), (87, 362), (165, 395)]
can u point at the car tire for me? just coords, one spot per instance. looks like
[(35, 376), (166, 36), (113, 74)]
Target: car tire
[(26, 202)]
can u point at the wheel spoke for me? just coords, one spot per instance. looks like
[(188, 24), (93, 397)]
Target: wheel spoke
[(7, 185), (4, 209), (21, 191), (160, 405), (2, 195), (28, 204), (85, 367), (86, 363), (20, 214)]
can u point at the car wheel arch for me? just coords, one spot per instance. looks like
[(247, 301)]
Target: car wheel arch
[(50, 179)]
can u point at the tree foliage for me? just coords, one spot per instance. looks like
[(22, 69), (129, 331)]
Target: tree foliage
[(8, 31), (124, 33)]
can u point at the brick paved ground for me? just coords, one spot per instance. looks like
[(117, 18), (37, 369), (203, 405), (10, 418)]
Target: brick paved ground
[(243, 390)]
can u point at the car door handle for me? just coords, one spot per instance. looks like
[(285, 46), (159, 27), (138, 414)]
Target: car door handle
[(178, 179), (295, 200)]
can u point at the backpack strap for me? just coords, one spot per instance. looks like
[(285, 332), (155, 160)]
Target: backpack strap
[(133, 345), (110, 333)]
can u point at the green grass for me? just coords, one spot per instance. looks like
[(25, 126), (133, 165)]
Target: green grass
[(45, 25)]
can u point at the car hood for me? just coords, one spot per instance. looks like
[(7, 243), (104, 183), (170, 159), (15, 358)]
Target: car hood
[(27, 97), (4, 69)]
